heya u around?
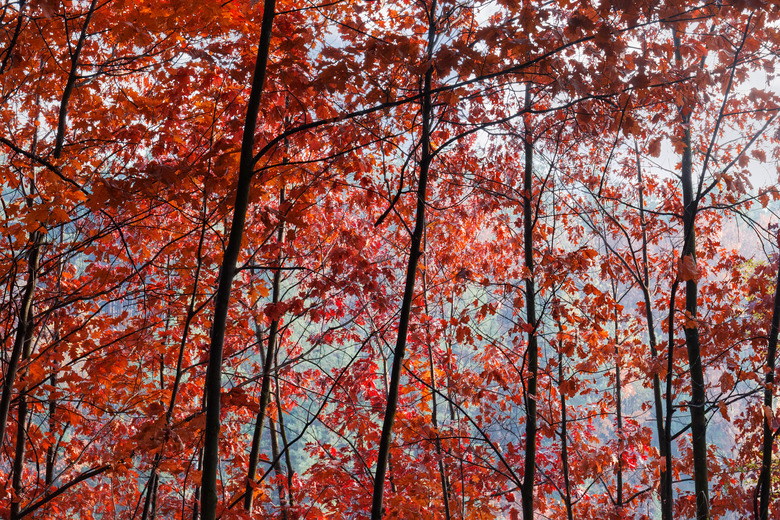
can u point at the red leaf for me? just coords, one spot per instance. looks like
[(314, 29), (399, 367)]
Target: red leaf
[(687, 268)]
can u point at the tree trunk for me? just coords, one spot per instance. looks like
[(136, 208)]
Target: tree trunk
[(51, 451), (283, 435), (668, 511), (62, 118), (149, 510), (765, 478), (437, 443), (663, 447), (618, 408), (692, 342), (24, 323), (268, 365), (196, 493), (213, 386), (22, 420), (377, 507), (277, 467), (564, 431), (21, 441), (434, 406), (532, 352)]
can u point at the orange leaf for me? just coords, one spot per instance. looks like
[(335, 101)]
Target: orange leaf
[(654, 148), (768, 414), (687, 268)]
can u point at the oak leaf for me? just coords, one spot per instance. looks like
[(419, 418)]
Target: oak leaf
[(687, 268)]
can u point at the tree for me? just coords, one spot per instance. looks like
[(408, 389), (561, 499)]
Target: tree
[(433, 250)]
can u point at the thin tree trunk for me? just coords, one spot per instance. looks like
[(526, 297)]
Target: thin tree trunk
[(277, 467), (618, 408), (9, 50), (692, 342), (459, 504), (663, 447), (51, 451), (71, 83), (377, 507), (17, 470), (21, 442), (669, 506), (151, 493), (564, 431), (21, 351), (283, 435), (437, 442), (24, 324), (196, 493), (765, 478), (213, 386), (149, 510), (268, 364), (434, 405), (532, 352)]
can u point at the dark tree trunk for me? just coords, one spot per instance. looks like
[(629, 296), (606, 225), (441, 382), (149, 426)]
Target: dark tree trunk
[(564, 431), (618, 408), (51, 451), (213, 386), (62, 119), (277, 467), (765, 478), (377, 507), (445, 492), (23, 330), (265, 386), (692, 341), (668, 511), (532, 352), (283, 435), (663, 447), (21, 422)]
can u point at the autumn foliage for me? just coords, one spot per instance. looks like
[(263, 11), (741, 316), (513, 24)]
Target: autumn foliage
[(385, 259)]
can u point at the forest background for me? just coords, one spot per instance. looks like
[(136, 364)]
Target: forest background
[(389, 259)]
